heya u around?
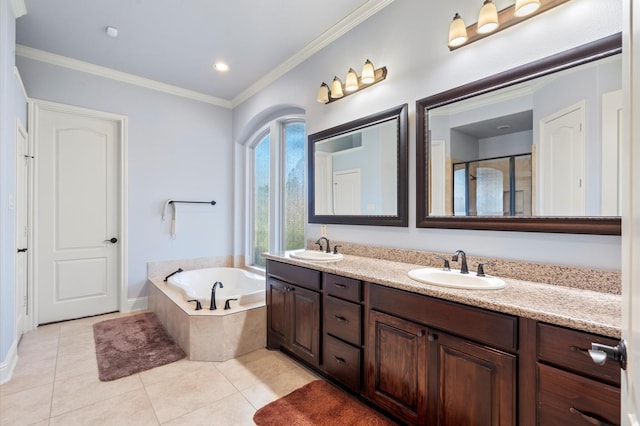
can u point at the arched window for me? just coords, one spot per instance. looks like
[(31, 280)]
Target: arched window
[(277, 205)]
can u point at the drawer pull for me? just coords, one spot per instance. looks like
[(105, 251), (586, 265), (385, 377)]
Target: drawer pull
[(590, 417), (341, 318), (579, 350), (340, 285), (340, 360)]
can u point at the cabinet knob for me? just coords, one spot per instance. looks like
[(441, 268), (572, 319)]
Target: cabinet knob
[(431, 337)]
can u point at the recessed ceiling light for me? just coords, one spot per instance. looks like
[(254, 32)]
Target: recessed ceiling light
[(221, 66), (112, 31), (503, 127)]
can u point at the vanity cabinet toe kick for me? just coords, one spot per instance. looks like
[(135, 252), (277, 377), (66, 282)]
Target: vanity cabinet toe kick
[(424, 360)]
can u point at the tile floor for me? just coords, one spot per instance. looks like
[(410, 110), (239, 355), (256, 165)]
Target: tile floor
[(56, 383)]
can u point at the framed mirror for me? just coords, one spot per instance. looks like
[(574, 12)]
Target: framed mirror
[(531, 149), (357, 171)]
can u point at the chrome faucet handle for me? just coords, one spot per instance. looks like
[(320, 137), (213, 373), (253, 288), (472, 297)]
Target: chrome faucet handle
[(446, 266), (335, 248), (481, 266)]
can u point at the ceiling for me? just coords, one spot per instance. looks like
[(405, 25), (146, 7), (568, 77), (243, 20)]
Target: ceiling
[(176, 42)]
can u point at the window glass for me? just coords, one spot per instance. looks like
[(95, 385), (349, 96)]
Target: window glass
[(294, 168), (261, 193)]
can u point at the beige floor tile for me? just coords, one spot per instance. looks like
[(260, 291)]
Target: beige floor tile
[(174, 370), (82, 342), (245, 375), (86, 389), (233, 410), (129, 408), (275, 387), (26, 407), (30, 372), (76, 364), (244, 359), (178, 396)]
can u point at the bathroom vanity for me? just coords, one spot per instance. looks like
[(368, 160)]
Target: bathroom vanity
[(430, 355)]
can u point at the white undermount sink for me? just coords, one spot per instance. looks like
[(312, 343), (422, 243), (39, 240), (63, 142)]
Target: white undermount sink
[(316, 256), (455, 279)]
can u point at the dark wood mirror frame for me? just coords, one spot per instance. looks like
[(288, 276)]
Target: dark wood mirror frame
[(572, 225), (401, 218)]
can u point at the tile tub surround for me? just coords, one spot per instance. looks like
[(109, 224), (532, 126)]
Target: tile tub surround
[(586, 310), (566, 276), (163, 268), (207, 335)]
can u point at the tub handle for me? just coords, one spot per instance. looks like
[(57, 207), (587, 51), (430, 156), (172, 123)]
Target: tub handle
[(198, 304), (226, 303)]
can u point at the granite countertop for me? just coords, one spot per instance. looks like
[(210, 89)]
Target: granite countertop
[(585, 310)]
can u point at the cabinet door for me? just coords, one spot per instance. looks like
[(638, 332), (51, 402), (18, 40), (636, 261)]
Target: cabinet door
[(396, 364), (475, 384), (304, 308), (277, 321)]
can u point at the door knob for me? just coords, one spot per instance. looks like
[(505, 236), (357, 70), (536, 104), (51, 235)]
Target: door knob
[(600, 353), (111, 240), (22, 250)]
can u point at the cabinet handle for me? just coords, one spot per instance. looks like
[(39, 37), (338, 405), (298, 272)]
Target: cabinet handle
[(340, 318), (340, 285), (579, 350), (340, 360), (590, 417)]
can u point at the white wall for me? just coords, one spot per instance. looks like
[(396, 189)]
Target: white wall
[(177, 149), (12, 107), (410, 38)]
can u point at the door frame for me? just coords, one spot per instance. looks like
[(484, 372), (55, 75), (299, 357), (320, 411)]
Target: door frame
[(37, 105), (27, 325)]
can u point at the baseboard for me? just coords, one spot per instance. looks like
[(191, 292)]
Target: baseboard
[(135, 304), (7, 366)]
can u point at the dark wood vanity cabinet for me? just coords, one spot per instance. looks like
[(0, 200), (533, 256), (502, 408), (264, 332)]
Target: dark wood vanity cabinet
[(571, 388), (428, 361), (342, 325), (428, 375), (293, 311)]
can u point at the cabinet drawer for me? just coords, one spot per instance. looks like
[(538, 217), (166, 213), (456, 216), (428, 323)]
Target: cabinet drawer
[(568, 399), (568, 348), (342, 362), (495, 329), (343, 319), (343, 287), (303, 277)]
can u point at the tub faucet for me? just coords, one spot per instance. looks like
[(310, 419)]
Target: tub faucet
[(319, 242), (464, 269), (172, 274), (212, 306)]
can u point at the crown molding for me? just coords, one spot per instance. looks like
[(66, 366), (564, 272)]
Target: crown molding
[(349, 22), (19, 8), (76, 65)]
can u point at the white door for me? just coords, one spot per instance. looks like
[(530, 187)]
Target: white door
[(437, 156), (346, 192), (611, 141), (562, 163), (77, 213), (631, 217), (23, 160)]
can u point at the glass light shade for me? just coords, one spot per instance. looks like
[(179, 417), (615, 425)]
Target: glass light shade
[(323, 93), (526, 7), (336, 88), (351, 83), (457, 32), (488, 19), (368, 73)]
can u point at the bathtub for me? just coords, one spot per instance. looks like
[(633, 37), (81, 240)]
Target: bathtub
[(239, 284)]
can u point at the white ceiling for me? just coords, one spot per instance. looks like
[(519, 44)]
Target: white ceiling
[(176, 42)]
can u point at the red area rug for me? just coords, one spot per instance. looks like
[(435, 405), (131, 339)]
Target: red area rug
[(319, 403)]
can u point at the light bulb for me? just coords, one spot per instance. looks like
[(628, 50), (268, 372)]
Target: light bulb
[(336, 88), (526, 7), (368, 73), (351, 82), (323, 93)]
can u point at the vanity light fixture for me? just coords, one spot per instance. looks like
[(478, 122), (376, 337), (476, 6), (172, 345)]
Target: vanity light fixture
[(490, 21), (353, 83)]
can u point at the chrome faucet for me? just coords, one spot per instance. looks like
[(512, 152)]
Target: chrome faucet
[(212, 305), (464, 269), (319, 242)]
